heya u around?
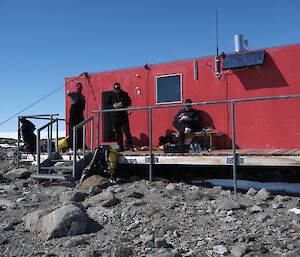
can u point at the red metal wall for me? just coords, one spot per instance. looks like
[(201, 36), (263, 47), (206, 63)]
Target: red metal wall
[(264, 124)]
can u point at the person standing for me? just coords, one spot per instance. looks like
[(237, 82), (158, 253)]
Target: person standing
[(120, 99), (29, 138), (186, 120), (76, 114)]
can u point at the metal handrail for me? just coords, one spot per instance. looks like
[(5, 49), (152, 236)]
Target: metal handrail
[(75, 129), (232, 102), (38, 117), (49, 142)]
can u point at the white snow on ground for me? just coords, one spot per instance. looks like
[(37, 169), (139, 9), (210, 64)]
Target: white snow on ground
[(295, 210), (43, 134), (246, 184), (7, 146)]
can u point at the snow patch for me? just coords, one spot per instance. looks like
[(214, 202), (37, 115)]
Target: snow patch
[(246, 184)]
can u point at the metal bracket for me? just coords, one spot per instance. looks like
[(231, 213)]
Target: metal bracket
[(131, 161), (240, 160), (154, 159)]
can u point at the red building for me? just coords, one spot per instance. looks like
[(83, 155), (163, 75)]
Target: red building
[(267, 124)]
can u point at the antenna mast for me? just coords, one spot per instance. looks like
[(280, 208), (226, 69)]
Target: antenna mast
[(218, 73), (217, 33)]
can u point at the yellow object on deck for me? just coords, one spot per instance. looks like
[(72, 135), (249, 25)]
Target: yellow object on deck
[(63, 143)]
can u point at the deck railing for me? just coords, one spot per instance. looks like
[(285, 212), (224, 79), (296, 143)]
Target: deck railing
[(75, 130), (233, 119), (49, 142)]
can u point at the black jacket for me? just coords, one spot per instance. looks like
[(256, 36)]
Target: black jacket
[(113, 98)]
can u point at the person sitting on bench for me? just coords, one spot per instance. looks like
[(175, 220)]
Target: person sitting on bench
[(186, 120)]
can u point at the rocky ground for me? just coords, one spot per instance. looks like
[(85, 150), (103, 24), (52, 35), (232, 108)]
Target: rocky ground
[(136, 218)]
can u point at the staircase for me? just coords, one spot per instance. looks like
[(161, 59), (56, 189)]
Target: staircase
[(55, 167)]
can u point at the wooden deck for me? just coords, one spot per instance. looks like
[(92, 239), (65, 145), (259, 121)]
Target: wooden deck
[(247, 157)]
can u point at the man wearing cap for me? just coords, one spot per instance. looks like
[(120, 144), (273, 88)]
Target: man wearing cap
[(186, 120), (76, 113), (116, 100)]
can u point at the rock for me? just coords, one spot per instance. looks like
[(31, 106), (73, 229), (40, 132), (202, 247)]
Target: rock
[(226, 204), (138, 203), (122, 251), (72, 196), (255, 209), (160, 242), (262, 217), (264, 195), (239, 250), (95, 180), (11, 154), (148, 240), (65, 221), (73, 242), (292, 254), (220, 249), (252, 192), (95, 190), (101, 214), (106, 199), (159, 183), (277, 206), (171, 186), (7, 203), (136, 195), (22, 173)]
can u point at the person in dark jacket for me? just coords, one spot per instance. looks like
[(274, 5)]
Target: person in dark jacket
[(120, 99), (76, 114), (29, 138), (186, 120)]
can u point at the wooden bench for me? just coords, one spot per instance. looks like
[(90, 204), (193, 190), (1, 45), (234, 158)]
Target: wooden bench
[(198, 134)]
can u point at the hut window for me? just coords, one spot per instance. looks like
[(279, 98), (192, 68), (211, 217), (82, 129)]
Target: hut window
[(169, 89)]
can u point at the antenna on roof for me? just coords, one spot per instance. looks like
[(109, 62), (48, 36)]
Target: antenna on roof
[(217, 39), (218, 73)]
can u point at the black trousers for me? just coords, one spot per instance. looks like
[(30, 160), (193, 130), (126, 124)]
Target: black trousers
[(76, 116), (121, 122), (180, 126)]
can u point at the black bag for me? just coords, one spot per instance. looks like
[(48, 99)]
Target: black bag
[(176, 148), (99, 164)]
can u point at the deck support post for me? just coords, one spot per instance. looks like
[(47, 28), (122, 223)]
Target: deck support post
[(234, 151), (150, 145)]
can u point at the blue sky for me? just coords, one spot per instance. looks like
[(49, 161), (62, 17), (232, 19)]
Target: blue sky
[(44, 41)]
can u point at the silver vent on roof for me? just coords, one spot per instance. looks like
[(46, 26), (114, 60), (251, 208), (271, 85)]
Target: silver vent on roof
[(238, 43)]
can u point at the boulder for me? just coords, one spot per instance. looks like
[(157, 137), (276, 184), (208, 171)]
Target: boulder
[(67, 220), (7, 203), (121, 251), (252, 192), (226, 204), (72, 196), (264, 195), (105, 199), (239, 250), (22, 173), (95, 180)]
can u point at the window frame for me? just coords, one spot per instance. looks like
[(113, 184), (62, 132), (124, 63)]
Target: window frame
[(169, 75)]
